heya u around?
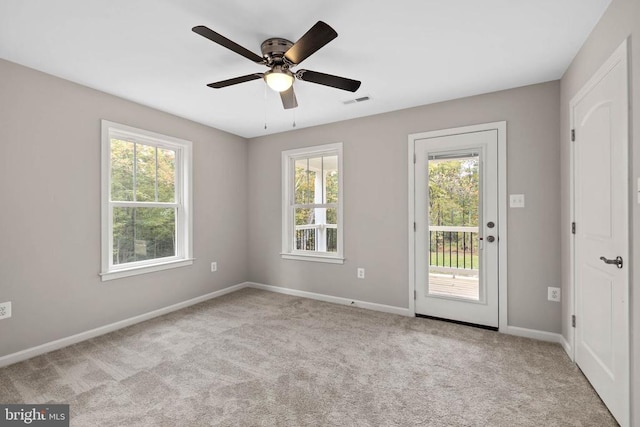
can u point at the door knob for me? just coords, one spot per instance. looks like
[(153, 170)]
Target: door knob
[(617, 261), (490, 239)]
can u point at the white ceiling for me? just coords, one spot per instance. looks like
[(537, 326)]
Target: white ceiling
[(405, 52)]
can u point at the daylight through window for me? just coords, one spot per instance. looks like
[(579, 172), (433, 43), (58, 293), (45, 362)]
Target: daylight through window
[(312, 213), (146, 186)]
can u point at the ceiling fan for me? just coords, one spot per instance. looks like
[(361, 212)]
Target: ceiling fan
[(280, 55)]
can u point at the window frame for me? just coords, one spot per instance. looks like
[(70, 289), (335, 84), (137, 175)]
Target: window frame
[(182, 203), (288, 206)]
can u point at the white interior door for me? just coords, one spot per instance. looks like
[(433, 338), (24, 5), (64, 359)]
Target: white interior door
[(457, 229), (600, 115)]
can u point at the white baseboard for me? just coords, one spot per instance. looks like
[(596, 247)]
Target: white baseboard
[(82, 336), (542, 336), (567, 347), (67, 341), (534, 334), (336, 300)]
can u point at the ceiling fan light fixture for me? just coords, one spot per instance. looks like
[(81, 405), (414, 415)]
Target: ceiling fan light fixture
[(278, 79)]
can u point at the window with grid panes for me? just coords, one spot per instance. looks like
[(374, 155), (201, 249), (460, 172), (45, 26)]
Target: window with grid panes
[(146, 192), (312, 203)]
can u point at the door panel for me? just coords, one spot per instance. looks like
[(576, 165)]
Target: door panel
[(602, 231), (456, 261), (598, 327), (596, 212)]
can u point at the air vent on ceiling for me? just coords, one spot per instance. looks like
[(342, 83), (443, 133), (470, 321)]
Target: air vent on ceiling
[(354, 101)]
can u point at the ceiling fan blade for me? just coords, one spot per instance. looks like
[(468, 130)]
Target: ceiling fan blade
[(328, 80), (235, 80), (223, 41), (289, 99), (318, 36)]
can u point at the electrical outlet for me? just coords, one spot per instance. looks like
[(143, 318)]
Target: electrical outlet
[(360, 273), (553, 294), (5, 310), (214, 267)]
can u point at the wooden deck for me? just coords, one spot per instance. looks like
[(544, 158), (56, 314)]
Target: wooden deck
[(458, 286)]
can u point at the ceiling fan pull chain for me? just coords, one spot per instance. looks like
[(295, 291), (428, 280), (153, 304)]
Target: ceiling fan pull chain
[(265, 106), (294, 118)]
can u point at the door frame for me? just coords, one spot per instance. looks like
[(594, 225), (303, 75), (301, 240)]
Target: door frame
[(501, 128), (620, 54)]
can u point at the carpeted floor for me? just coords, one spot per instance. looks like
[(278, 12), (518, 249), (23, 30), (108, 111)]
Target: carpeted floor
[(255, 358)]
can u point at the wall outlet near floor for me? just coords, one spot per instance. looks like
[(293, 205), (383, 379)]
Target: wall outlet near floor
[(214, 266), (360, 273), (5, 310), (553, 294)]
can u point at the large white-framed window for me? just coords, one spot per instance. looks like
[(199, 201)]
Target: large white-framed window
[(312, 198), (146, 201)]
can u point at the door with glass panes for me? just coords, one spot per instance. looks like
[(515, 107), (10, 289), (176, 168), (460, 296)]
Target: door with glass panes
[(456, 211)]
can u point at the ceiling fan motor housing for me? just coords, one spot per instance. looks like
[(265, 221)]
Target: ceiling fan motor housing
[(274, 49)]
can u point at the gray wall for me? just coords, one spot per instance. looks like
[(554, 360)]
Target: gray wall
[(50, 181), (50, 211), (376, 201), (621, 20)]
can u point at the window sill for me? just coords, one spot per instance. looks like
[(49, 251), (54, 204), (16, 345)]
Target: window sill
[(314, 258), (134, 271)]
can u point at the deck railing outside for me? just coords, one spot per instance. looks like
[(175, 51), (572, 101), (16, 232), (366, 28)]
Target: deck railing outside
[(307, 236), (453, 250)]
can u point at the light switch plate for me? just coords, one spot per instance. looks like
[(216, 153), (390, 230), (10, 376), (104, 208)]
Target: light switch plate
[(516, 200)]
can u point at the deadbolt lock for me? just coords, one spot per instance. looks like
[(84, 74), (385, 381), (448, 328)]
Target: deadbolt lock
[(490, 224)]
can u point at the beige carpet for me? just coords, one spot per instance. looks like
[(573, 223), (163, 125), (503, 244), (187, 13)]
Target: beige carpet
[(255, 358)]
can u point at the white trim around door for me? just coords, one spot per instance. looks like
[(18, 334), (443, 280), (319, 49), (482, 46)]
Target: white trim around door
[(501, 128)]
